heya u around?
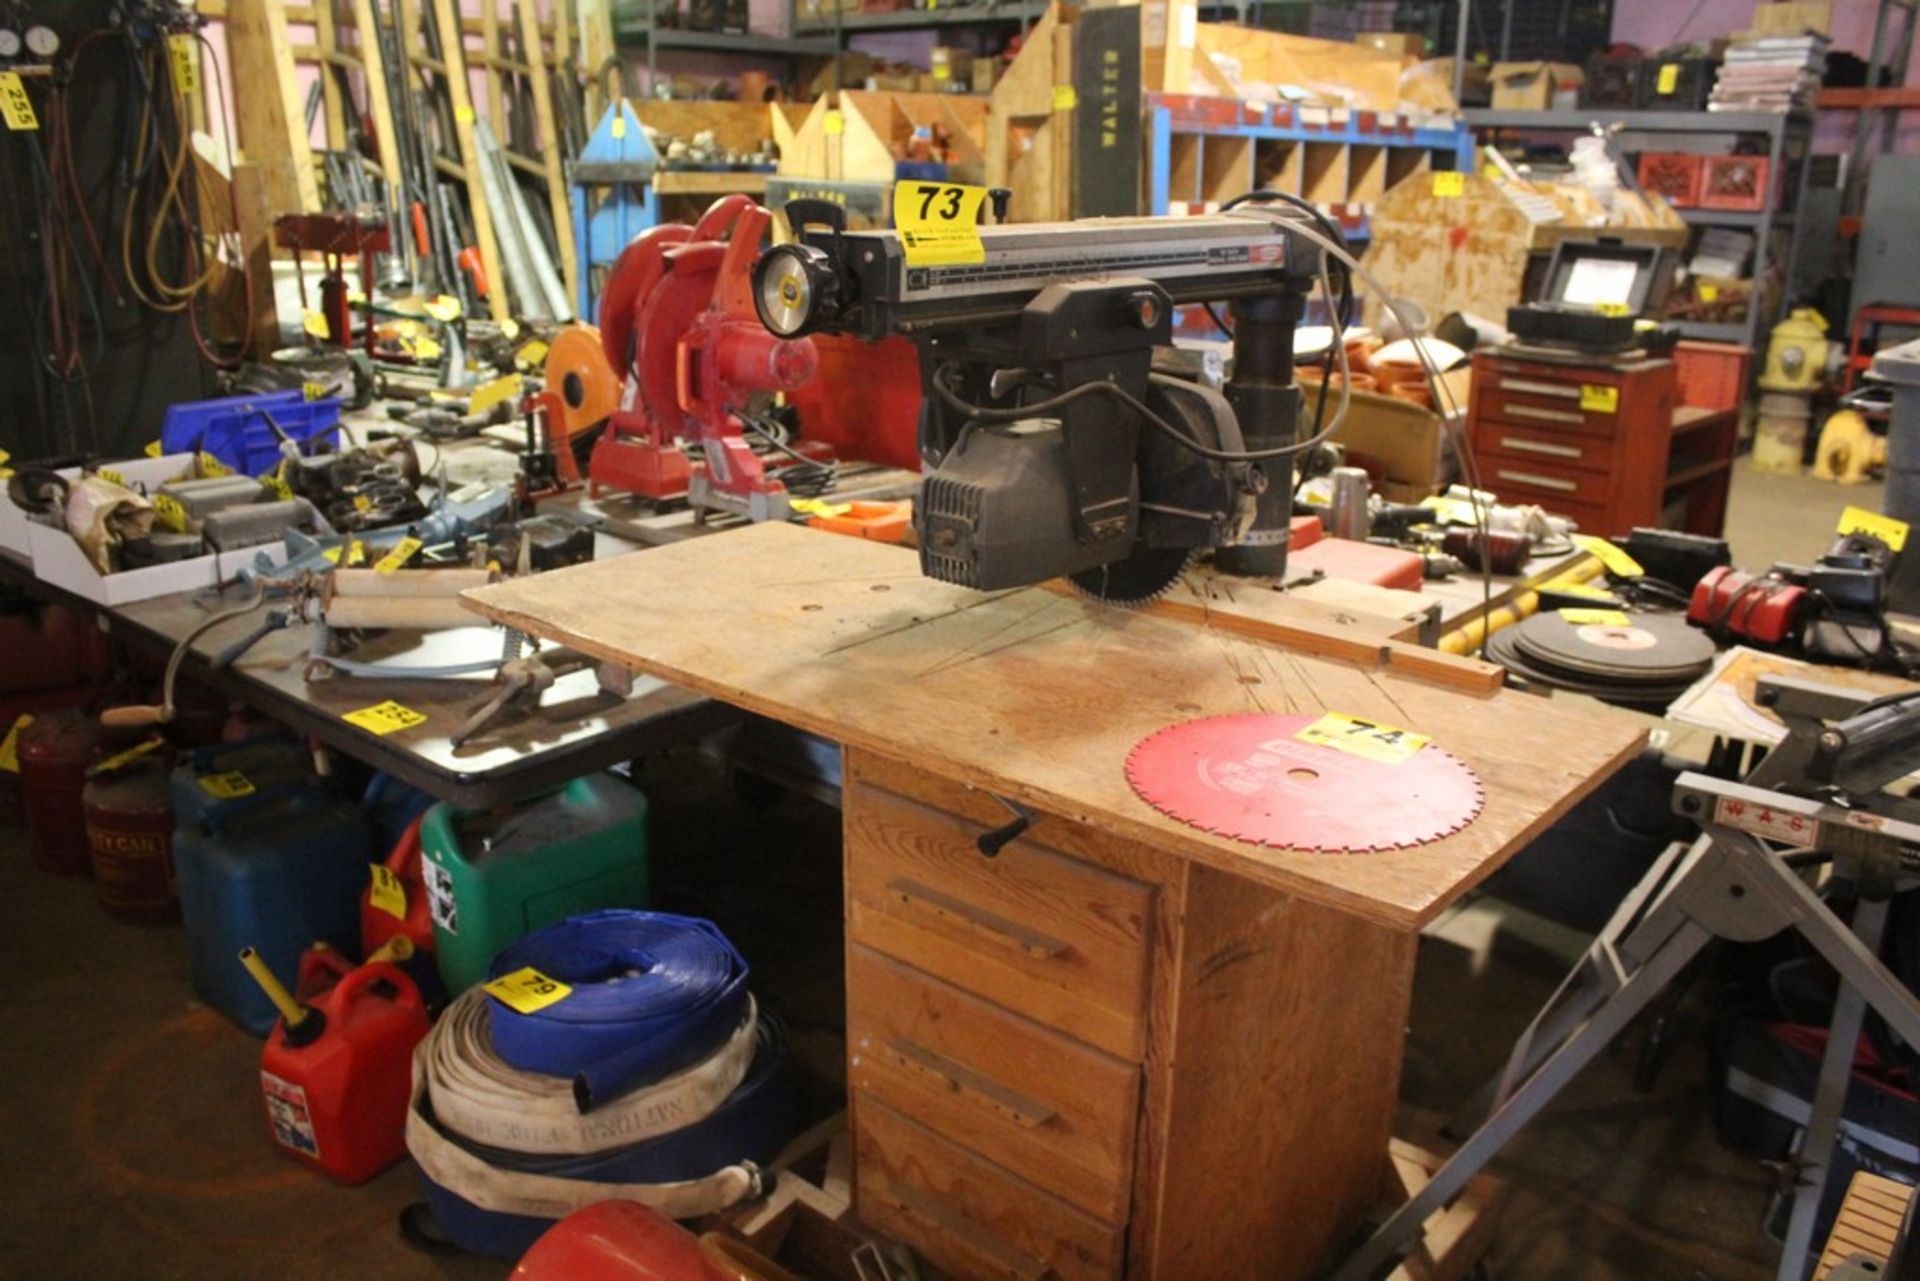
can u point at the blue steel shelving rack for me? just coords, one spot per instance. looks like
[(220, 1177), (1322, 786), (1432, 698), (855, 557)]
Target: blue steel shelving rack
[(1285, 124)]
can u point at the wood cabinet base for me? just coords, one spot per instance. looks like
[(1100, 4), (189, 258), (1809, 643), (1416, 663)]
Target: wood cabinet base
[(1268, 1069)]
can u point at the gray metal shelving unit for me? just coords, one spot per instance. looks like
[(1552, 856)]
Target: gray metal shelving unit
[(752, 44), (1788, 137), (978, 15)]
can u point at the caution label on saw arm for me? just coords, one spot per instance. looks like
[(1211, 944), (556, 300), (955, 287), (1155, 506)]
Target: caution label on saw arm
[(939, 223)]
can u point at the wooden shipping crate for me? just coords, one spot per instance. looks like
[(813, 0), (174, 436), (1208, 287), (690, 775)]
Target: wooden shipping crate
[(860, 136), (1063, 130)]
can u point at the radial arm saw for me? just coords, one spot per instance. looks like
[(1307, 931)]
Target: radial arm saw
[(1061, 432)]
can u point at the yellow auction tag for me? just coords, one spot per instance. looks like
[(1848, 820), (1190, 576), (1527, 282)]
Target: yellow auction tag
[(1449, 184), (1669, 78), (939, 223), (153, 449), (186, 61), (128, 757), (1369, 739), (210, 466), (1858, 520), (111, 476), (941, 71), (228, 786), (490, 394), (1602, 617), (361, 503), (1618, 563), (530, 355), (1586, 590), (833, 123), (527, 990), (1708, 293), (444, 308), (384, 718), (169, 514), (314, 323), (389, 893), (1611, 308), (10, 745), (1599, 398), (355, 553), (397, 558), (1064, 98), (819, 507), (15, 105), (313, 391), (276, 480)]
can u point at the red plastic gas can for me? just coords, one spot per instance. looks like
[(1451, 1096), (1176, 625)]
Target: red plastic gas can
[(616, 1241), (54, 754), (337, 1094), (129, 817), (395, 900)]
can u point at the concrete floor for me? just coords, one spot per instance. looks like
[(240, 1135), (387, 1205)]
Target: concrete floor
[(131, 1143)]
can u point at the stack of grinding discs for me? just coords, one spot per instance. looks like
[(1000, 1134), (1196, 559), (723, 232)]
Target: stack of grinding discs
[(1646, 661)]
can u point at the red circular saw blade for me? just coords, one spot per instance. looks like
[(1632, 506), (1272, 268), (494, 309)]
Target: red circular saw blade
[(1248, 777)]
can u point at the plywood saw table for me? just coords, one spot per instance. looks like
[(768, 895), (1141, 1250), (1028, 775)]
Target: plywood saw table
[(1123, 1046)]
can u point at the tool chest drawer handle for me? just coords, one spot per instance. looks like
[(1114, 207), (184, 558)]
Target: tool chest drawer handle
[(1013, 1263), (1028, 1114), (1543, 482), (1550, 415), (987, 924), (1524, 445), (1540, 388)]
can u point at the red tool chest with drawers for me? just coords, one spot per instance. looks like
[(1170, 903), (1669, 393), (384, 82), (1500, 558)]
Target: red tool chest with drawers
[(1594, 439)]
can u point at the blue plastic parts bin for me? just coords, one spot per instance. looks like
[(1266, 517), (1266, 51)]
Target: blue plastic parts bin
[(235, 429), (276, 868)]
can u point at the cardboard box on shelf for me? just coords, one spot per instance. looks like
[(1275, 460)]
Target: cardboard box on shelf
[(950, 68), (1403, 44), (1476, 84), (1792, 19), (1535, 86)]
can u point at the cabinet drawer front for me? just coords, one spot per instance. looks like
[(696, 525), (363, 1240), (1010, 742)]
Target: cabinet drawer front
[(1530, 444), (1539, 480), (967, 1215), (1049, 936), (1047, 1108), (1533, 403)]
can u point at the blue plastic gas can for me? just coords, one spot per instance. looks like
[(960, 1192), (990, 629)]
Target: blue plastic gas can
[(272, 865)]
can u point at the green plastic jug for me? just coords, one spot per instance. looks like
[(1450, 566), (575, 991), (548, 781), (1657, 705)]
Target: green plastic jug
[(493, 876)]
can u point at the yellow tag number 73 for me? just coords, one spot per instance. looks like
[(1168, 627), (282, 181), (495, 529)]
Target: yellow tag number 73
[(949, 201)]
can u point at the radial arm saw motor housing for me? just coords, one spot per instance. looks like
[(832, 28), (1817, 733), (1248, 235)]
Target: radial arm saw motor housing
[(1059, 434)]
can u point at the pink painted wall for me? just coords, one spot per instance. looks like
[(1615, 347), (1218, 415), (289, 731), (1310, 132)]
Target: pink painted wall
[(1653, 24)]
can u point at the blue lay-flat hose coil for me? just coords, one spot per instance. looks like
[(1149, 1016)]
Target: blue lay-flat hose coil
[(652, 994)]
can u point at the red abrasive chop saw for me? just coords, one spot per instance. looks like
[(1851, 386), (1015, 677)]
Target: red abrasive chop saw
[(677, 318)]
